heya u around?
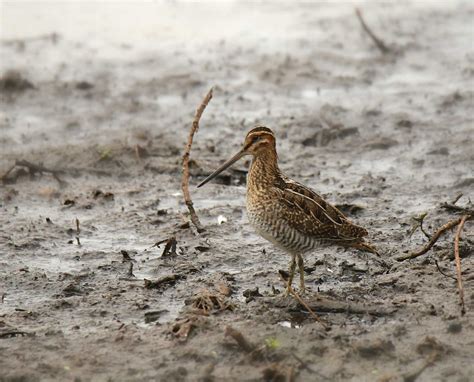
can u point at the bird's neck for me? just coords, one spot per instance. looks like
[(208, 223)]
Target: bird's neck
[(264, 170)]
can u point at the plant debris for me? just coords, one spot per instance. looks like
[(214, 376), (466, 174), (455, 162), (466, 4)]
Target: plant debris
[(163, 282)]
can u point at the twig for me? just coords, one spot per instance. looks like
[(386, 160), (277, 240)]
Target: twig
[(163, 282), (378, 42), (413, 375), (240, 339), (302, 302), (419, 219), (33, 169), (455, 200), (130, 271), (185, 179), (170, 246), (453, 207), (14, 333), (4, 176), (303, 364), (78, 232), (434, 239), (458, 262), (444, 274)]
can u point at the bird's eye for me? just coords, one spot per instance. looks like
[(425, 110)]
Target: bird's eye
[(256, 139)]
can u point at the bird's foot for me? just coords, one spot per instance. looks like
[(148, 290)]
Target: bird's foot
[(290, 291), (302, 290)]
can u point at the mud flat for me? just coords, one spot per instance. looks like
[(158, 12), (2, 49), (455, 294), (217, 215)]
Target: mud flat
[(97, 119)]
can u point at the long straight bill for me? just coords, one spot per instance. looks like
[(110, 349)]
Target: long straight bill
[(230, 162)]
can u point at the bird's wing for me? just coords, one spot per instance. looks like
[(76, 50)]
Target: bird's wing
[(310, 214)]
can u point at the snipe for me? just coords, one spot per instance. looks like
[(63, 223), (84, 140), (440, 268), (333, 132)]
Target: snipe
[(286, 213)]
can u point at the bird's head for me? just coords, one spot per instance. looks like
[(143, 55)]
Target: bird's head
[(257, 141)]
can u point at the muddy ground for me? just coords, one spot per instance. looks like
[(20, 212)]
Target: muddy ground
[(387, 136)]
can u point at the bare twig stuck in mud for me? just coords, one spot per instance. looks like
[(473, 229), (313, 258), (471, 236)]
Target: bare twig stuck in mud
[(182, 329), (15, 333), (458, 196), (458, 262), (434, 239), (413, 375), (33, 169), (78, 231), (378, 42), (278, 372), (163, 282), (302, 302), (130, 271), (170, 246), (240, 339), (185, 179), (3, 178), (419, 224), (452, 207), (442, 272)]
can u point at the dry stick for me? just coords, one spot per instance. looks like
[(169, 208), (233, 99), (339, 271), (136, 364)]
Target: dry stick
[(458, 196), (454, 208), (4, 176), (434, 239), (39, 168), (458, 262), (240, 339), (378, 42), (302, 302), (78, 232), (413, 375), (441, 271), (185, 179)]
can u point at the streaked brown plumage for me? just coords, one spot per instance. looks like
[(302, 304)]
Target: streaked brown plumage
[(287, 213)]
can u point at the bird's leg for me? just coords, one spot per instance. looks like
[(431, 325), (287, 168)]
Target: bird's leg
[(292, 273), (301, 269)]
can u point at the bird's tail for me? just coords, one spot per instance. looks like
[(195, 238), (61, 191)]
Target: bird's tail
[(366, 247)]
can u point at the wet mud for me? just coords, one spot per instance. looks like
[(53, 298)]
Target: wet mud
[(103, 278)]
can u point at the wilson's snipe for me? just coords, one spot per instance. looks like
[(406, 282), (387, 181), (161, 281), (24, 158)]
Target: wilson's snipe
[(285, 212)]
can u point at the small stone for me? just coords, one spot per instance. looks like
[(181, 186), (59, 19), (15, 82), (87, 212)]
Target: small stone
[(454, 327)]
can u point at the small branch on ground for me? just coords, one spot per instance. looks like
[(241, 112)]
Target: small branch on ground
[(78, 232), (33, 169), (163, 282), (185, 178), (452, 207), (378, 42), (419, 224), (170, 246), (4, 176), (238, 337), (302, 302), (458, 262), (443, 273), (130, 271), (466, 210), (304, 365), (434, 239), (458, 196), (413, 375), (15, 333)]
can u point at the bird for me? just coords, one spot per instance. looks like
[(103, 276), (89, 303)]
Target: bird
[(286, 213)]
